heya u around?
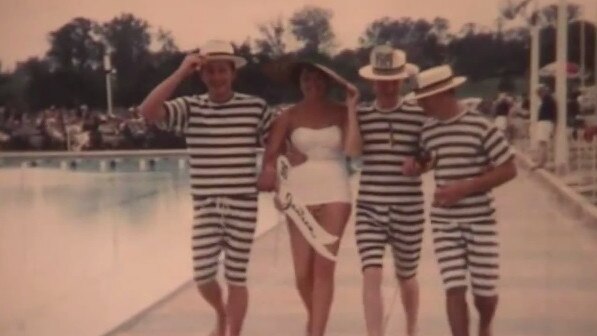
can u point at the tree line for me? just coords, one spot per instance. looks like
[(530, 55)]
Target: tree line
[(71, 72)]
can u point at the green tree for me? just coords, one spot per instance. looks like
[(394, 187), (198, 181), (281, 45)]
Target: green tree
[(129, 38), (549, 14), (272, 40), (166, 42), (75, 45), (73, 62), (424, 42), (311, 26)]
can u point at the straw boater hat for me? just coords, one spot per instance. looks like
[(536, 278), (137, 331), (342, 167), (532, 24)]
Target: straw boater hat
[(387, 63), (217, 50), (435, 80)]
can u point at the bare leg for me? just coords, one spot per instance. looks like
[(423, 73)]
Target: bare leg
[(409, 291), (541, 155), (333, 217), (486, 306), (457, 309), (236, 309), (212, 293), (372, 302), (302, 257)]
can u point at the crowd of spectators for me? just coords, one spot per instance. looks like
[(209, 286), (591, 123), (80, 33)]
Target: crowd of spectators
[(81, 129)]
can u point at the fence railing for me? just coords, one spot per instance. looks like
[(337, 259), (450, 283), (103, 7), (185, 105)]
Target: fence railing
[(581, 173)]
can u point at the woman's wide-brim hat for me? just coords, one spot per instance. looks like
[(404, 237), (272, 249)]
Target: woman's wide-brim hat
[(287, 70), (435, 80)]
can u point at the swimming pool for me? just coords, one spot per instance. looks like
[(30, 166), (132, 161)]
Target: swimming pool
[(84, 248), (102, 161)]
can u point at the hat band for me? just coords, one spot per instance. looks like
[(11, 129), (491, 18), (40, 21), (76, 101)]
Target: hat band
[(219, 54), (434, 86), (388, 72)]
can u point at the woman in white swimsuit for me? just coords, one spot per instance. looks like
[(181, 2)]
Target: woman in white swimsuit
[(323, 131)]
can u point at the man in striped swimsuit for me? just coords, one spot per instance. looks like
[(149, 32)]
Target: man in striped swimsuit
[(389, 207), (470, 156), (222, 130)]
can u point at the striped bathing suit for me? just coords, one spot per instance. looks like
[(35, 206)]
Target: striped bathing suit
[(465, 234), (222, 141), (389, 204)]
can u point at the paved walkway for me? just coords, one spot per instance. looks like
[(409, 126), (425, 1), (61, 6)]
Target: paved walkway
[(548, 287)]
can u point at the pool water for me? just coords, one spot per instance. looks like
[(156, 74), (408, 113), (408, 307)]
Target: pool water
[(82, 250)]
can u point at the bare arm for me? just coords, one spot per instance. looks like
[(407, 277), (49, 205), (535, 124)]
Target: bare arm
[(275, 145), (492, 178), (351, 133), (152, 107), (352, 140)]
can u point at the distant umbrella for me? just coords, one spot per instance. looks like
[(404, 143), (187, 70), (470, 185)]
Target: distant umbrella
[(572, 70)]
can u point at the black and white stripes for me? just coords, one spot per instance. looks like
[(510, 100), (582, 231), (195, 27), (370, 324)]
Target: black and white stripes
[(222, 140), (388, 138), (223, 224), (463, 148), (467, 249), (465, 234), (389, 204), (400, 227)]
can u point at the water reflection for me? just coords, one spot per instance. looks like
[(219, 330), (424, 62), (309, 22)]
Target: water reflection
[(82, 251)]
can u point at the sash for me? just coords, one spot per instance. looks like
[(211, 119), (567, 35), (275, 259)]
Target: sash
[(292, 207)]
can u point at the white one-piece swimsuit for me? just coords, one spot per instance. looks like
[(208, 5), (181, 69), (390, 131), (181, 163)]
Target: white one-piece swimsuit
[(323, 178)]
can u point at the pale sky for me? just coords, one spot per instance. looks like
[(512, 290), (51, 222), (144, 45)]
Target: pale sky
[(25, 24)]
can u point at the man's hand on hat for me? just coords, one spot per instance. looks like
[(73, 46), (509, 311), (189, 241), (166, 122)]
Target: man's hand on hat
[(341, 80), (191, 63)]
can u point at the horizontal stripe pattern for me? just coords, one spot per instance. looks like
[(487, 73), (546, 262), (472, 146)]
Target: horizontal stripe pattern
[(222, 140), (401, 227), (223, 225), (388, 138), (464, 148), (467, 251)]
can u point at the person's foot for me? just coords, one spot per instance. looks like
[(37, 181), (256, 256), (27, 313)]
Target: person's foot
[(412, 331), (485, 332), (536, 167), (220, 329)]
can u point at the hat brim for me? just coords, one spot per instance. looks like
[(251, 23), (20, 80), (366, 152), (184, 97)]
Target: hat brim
[(333, 74), (455, 82), (368, 73), (298, 66), (237, 60)]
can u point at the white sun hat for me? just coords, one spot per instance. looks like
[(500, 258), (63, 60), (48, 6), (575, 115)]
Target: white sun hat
[(387, 63), (435, 80), (216, 50)]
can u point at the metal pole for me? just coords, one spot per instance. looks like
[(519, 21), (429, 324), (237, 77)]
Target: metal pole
[(67, 139), (561, 143), (108, 71), (534, 83), (582, 53)]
